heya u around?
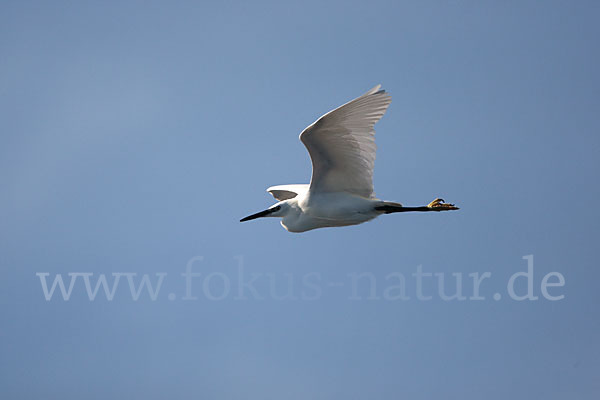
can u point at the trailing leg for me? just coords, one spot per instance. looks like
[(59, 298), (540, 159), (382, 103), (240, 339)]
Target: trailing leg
[(388, 207)]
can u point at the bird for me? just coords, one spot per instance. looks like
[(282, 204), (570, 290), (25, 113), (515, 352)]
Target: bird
[(341, 145)]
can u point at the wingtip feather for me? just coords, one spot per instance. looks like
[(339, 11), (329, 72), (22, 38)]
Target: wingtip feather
[(375, 89)]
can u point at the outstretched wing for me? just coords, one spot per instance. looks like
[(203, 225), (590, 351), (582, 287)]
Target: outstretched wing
[(284, 192), (342, 147)]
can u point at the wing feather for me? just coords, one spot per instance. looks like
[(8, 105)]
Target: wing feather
[(341, 145), (284, 192)]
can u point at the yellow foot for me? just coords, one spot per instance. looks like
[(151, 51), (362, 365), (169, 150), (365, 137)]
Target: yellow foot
[(439, 205)]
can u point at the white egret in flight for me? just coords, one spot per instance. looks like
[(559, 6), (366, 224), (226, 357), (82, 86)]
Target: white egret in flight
[(341, 145)]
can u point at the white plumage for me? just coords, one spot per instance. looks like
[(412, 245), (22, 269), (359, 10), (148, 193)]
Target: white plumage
[(284, 192), (342, 148)]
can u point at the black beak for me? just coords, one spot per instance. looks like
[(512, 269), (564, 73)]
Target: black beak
[(257, 215)]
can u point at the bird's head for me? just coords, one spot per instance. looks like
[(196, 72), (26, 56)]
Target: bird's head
[(276, 210)]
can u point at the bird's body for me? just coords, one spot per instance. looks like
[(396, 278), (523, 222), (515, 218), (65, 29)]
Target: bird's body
[(341, 145), (310, 211)]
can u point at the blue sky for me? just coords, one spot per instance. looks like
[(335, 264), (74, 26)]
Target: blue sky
[(136, 134)]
